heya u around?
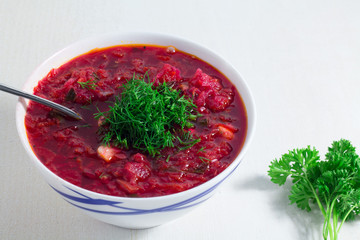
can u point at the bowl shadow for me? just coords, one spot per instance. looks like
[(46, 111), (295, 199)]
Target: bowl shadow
[(308, 224)]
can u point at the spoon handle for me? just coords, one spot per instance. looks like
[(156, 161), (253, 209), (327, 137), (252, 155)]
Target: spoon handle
[(43, 101)]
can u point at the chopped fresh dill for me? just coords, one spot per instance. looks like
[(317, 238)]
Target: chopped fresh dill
[(89, 101), (201, 149), (86, 125), (96, 77), (90, 84), (85, 107), (187, 140), (148, 118), (204, 159), (71, 95)]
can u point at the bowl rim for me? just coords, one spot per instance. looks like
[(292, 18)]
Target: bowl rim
[(249, 106)]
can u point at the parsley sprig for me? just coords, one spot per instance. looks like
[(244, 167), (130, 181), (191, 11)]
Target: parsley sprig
[(333, 184), (148, 118)]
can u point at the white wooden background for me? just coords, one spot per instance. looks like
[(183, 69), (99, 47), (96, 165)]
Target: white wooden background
[(301, 60)]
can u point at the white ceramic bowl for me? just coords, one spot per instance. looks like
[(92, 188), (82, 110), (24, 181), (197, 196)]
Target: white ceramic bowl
[(125, 212)]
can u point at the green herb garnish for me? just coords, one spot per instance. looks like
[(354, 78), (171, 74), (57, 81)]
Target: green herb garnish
[(85, 107), (71, 95), (148, 118), (90, 84), (201, 149), (332, 184), (204, 159), (95, 76), (187, 140), (83, 126)]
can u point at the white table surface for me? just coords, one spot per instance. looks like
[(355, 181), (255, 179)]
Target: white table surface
[(301, 60)]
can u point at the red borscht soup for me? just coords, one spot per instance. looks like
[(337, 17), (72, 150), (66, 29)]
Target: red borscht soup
[(83, 153)]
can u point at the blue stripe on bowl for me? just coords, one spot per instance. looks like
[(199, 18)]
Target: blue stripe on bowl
[(134, 211)]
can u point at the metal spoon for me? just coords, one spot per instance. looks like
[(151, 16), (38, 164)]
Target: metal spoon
[(43, 101)]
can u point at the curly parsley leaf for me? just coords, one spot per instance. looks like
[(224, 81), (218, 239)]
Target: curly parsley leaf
[(301, 194), (333, 183), (279, 171), (293, 164)]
